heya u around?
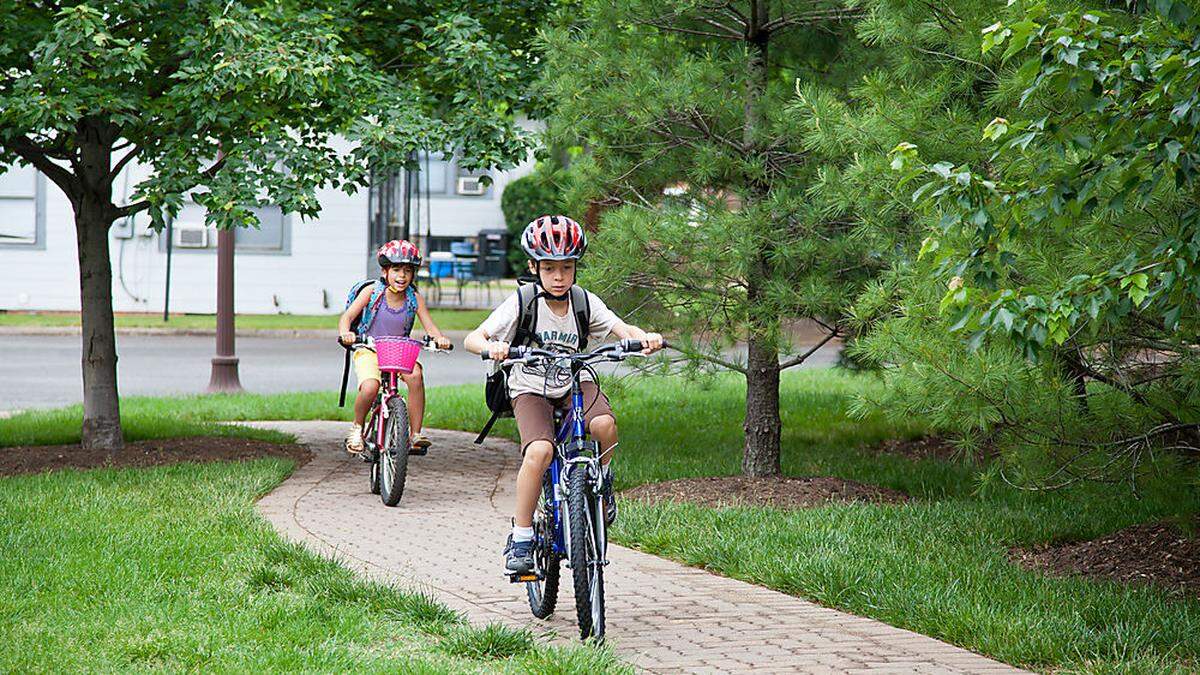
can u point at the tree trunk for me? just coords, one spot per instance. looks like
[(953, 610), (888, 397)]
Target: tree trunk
[(93, 218), (760, 456)]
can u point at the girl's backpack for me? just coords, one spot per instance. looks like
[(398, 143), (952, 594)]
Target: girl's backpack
[(495, 390)]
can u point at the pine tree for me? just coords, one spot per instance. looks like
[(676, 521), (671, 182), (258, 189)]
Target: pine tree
[(696, 146)]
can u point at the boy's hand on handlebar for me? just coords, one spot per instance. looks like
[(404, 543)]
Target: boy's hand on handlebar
[(652, 343), (443, 342), (347, 338), (497, 350)]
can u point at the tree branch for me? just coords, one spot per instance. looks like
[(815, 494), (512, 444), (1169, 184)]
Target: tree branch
[(801, 358), (812, 18), (130, 209), (709, 358), (954, 57), (732, 32), (116, 170), (212, 170), (689, 31), (38, 156)]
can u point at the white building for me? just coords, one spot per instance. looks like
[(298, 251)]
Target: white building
[(289, 265)]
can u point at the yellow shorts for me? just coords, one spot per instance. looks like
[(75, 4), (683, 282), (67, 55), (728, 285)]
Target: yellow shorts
[(366, 365)]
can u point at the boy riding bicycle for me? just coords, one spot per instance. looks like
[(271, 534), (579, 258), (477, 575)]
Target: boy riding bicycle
[(554, 244), (389, 307)]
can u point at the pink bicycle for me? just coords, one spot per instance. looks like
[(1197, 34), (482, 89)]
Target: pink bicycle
[(386, 432)]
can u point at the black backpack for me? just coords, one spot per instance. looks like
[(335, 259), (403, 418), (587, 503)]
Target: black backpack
[(495, 390)]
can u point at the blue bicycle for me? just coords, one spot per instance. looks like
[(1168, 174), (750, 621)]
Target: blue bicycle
[(568, 522)]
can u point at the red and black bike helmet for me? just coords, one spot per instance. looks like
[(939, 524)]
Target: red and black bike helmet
[(399, 252), (554, 238)]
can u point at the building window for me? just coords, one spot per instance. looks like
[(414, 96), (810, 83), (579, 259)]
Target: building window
[(441, 176), (191, 233), (434, 170), (269, 236), (22, 207)]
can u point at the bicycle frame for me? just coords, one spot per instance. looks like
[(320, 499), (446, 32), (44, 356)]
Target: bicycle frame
[(387, 389), (571, 439)]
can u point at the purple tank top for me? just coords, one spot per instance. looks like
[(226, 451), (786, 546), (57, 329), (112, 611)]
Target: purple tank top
[(391, 322)]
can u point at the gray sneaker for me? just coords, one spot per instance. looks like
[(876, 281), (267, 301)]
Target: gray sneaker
[(518, 556)]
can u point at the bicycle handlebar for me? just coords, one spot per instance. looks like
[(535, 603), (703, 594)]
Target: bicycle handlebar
[(360, 340), (616, 351)]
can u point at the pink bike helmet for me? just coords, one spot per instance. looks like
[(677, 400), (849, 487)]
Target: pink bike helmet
[(554, 238), (399, 252)]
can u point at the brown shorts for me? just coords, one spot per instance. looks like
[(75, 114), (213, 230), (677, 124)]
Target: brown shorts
[(535, 414)]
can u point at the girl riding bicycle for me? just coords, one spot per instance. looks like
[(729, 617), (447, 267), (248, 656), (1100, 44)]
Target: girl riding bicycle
[(395, 303), (554, 245)]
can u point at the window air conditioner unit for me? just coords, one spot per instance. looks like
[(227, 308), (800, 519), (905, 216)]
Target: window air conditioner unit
[(471, 185), (191, 237)]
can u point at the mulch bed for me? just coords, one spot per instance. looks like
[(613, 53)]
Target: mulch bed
[(1158, 553), (925, 447), (158, 452), (780, 493)]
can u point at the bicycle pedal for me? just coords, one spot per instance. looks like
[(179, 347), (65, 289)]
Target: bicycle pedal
[(420, 452), (523, 578)]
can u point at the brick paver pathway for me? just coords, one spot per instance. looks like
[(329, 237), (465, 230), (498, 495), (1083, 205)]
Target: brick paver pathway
[(445, 538)]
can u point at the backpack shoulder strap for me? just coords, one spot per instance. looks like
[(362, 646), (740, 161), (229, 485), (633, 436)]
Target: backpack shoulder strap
[(410, 300), (368, 313), (582, 306), (527, 311)]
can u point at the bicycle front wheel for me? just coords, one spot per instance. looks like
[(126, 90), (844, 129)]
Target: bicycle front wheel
[(587, 563), (393, 457)]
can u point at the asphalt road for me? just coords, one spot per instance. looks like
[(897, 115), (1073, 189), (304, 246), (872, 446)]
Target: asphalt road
[(40, 371)]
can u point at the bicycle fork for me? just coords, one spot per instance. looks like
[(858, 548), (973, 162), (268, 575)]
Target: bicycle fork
[(593, 516)]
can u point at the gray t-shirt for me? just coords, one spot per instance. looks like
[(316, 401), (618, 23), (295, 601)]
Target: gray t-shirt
[(558, 333)]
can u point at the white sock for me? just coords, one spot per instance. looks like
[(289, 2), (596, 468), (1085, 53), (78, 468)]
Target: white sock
[(522, 533)]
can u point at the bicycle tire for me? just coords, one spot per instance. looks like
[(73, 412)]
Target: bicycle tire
[(393, 458), (543, 594), (586, 572)]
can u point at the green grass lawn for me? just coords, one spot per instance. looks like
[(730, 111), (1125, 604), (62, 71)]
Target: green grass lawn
[(171, 569), (936, 565), (446, 319)]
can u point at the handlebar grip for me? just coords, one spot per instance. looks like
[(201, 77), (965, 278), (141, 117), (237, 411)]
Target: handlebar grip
[(485, 356), (631, 345)]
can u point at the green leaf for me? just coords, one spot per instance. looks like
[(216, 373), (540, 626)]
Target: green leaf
[(1005, 318), (960, 319), (1029, 70), (928, 245), (1171, 318)]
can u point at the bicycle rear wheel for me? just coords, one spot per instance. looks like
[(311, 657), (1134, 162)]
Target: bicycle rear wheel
[(587, 568), (543, 594), (393, 457)]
